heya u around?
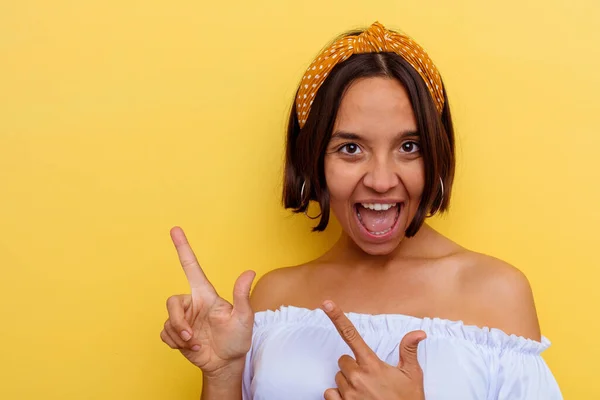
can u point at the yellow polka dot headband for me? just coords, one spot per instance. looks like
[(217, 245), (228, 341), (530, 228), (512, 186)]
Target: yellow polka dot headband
[(376, 39)]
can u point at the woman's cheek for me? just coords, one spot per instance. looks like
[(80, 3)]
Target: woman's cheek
[(341, 179), (413, 178)]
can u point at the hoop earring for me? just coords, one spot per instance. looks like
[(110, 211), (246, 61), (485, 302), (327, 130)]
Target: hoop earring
[(441, 199), (302, 202)]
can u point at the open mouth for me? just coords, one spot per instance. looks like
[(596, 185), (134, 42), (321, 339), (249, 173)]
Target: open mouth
[(378, 218)]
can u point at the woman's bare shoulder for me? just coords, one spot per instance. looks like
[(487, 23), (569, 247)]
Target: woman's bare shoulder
[(498, 294), (274, 287)]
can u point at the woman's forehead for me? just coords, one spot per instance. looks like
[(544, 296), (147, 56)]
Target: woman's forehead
[(375, 104)]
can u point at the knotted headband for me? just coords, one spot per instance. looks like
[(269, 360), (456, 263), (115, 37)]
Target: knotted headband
[(376, 39)]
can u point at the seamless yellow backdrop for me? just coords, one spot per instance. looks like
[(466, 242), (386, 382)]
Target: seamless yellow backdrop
[(121, 119)]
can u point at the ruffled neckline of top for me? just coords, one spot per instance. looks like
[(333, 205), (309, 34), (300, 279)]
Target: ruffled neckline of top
[(434, 327)]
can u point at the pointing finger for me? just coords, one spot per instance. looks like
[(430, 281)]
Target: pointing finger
[(189, 262), (348, 332)]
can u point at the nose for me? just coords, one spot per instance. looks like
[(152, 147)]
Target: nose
[(381, 176)]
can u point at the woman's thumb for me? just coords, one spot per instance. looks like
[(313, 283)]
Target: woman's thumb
[(241, 292), (408, 351)]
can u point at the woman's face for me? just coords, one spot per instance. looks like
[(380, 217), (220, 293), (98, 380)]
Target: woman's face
[(373, 164)]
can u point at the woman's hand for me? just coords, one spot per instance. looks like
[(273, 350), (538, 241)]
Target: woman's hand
[(367, 377), (207, 329)]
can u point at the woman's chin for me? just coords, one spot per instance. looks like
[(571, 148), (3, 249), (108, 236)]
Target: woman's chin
[(378, 246)]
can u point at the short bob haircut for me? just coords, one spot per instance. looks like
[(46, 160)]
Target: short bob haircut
[(305, 148)]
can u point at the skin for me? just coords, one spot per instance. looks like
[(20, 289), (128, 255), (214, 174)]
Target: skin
[(427, 275), (373, 154)]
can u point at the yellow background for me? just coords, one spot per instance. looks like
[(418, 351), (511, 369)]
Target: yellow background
[(120, 119)]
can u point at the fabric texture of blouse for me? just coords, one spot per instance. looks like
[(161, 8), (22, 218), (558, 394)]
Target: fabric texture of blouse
[(295, 351)]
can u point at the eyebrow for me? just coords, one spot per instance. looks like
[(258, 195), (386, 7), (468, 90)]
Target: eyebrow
[(354, 136)]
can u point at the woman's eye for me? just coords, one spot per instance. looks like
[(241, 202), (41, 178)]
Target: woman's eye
[(350, 148), (410, 147)]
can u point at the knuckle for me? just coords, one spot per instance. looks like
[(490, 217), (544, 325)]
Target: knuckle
[(165, 338), (355, 378), (344, 360), (413, 372), (414, 376), (375, 367), (172, 301), (338, 316), (410, 350), (349, 333), (338, 377), (417, 372), (189, 263), (177, 326)]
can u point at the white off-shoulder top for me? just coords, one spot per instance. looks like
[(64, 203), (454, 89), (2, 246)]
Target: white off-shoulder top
[(295, 351)]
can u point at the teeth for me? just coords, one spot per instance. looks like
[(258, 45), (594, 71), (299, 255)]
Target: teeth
[(378, 206), (382, 232)]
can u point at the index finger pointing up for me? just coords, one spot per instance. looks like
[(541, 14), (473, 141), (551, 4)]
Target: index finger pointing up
[(348, 332), (189, 263)]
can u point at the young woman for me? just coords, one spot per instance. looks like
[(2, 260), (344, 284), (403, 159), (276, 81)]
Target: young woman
[(370, 138)]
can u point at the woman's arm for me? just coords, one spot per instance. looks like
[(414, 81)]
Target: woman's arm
[(226, 385)]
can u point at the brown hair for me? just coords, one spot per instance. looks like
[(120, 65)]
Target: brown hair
[(305, 148)]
